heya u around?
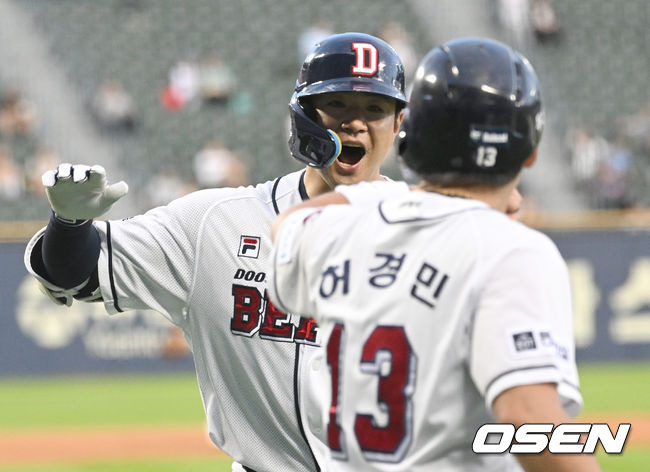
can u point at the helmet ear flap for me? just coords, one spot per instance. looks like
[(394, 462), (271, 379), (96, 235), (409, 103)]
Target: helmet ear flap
[(308, 108), (309, 142)]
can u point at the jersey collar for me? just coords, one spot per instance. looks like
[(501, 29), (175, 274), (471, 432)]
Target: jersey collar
[(301, 187)]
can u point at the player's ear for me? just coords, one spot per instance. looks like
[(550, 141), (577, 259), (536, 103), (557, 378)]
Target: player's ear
[(531, 159), (399, 116)]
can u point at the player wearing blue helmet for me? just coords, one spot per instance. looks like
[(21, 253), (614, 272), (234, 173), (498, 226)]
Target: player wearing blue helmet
[(201, 261)]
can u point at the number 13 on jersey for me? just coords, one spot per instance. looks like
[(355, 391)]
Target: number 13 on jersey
[(387, 355)]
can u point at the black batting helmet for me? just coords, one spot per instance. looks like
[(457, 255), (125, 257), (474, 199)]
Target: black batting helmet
[(349, 62), (475, 113)]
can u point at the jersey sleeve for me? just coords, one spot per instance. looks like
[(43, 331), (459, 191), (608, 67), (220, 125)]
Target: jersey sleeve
[(301, 246), (289, 282), (523, 327), (147, 262)]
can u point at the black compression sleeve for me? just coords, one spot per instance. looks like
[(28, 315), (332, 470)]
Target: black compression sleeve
[(70, 252)]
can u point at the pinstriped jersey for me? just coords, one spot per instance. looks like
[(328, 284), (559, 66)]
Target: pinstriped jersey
[(429, 307), (202, 262)]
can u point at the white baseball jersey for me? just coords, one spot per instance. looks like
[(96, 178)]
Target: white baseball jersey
[(429, 306), (202, 262)]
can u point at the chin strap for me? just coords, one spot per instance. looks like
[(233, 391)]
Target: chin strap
[(309, 142)]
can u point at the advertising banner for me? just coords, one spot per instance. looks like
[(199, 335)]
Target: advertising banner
[(40, 337), (609, 271)]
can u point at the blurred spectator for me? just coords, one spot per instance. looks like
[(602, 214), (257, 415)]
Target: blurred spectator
[(514, 17), (636, 128), (241, 103), (17, 115), (310, 36), (182, 86), (217, 166), (217, 82), (12, 180), (614, 177), (43, 160), (395, 35), (587, 151), (544, 20), (164, 186), (113, 106)]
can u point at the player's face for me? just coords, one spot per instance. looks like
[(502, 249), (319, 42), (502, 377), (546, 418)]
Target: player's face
[(367, 126)]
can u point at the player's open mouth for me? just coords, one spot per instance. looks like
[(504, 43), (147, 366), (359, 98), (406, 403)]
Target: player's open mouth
[(351, 154)]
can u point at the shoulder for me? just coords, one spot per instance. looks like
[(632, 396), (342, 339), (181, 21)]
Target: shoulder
[(512, 244), (372, 192), (205, 201), (188, 214), (285, 191), (529, 238)]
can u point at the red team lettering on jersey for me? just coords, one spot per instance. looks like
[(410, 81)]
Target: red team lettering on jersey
[(277, 325), (334, 353), (247, 312), (254, 313)]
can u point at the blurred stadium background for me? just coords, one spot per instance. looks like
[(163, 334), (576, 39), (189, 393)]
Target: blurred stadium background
[(173, 96)]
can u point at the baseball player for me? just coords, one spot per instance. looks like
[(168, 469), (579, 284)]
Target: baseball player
[(202, 260), (438, 312)]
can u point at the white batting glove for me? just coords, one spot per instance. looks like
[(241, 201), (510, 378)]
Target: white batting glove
[(81, 192)]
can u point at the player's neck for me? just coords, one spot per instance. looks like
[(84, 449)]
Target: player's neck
[(318, 182), (315, 184)]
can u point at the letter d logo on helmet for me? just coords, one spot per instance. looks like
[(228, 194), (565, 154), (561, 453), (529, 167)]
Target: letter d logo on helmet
[(348, 62), (366, 59)]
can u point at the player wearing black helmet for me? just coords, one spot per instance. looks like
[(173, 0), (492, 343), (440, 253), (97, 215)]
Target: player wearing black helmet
[(440, 315), (476, 114), (202, 260)]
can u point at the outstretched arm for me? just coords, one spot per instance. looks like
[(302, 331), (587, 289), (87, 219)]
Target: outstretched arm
[(64, 257)]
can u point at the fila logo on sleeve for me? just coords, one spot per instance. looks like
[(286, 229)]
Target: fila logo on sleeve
[(366, 59), (249, 246)]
